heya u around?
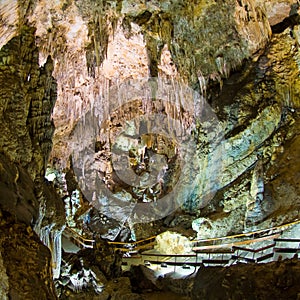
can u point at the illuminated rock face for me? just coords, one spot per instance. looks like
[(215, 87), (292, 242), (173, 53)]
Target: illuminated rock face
[(225, 51), (96, 47), (173, 243)]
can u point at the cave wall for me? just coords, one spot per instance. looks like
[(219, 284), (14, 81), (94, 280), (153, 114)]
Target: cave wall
[(220, 48), (27, 97), (75, 50), (225, 50)]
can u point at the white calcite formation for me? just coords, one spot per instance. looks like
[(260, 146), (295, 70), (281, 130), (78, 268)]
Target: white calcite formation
[(173, 243), (240, 154)]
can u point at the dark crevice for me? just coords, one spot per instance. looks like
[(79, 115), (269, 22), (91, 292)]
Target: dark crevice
[(290, 21), (142, 18)]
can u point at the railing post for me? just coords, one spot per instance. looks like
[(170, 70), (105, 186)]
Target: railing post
[(175, 264)]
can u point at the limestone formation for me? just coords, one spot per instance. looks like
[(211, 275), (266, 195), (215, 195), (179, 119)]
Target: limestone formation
[(229, 102)]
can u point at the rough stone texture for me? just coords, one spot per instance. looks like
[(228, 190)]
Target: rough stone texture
[(266, 86), (27, 262), (91, 274), (249, 281), (4, 288), (278, 10), (179, 286), (27, 97), (223, 49), (249, 103), (143, 280), (28, 94), (113, 41), (17, 192), (244, 101), (9, 20), (154, 38)]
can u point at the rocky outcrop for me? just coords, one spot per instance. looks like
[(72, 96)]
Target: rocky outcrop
[(243, 162), (27, 269), (89, 273), (248, 281), (273, 91), (172, 243), (27, 97), (111, 42)]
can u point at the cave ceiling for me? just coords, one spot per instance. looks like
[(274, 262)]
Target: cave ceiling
[(124, 119), (225, 79)]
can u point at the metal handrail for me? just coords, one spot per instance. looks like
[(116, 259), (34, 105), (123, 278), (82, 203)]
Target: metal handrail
[(246, 234), (135, 246), (87, 243), (132, 243), (234, 255), (230, 245)]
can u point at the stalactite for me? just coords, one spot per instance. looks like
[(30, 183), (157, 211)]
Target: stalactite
[(202, 84), (51, 238), (56, 251), (44, 235)]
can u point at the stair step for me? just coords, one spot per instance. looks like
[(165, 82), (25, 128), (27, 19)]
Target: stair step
[(173, 263), (215, 261), (243, 258), (264, 257), (254, 250), (214, 251), (287, 240), (286, 250)]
